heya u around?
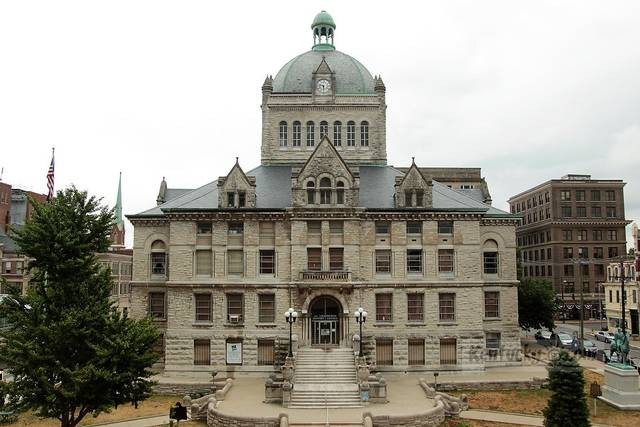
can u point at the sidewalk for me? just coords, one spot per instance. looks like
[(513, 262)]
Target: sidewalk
[(140, 422), (507, 418)]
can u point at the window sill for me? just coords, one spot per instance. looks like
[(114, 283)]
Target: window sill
[(159, 320), (449, 276), (452, 323), (415, 324), (384, 324), (266, 325), (492, 319), (233, 325), (202, 324)]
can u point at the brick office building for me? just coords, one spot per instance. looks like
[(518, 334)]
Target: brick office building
[(571, 229), (324, 225)]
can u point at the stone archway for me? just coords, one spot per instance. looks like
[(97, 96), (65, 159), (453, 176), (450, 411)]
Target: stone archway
[(324, 321)]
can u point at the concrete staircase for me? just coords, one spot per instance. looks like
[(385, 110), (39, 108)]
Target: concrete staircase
[(325, 379)]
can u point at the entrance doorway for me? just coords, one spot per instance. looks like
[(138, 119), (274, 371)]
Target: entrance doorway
[(325, 314)]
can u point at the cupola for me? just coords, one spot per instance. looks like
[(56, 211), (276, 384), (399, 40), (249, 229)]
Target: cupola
[(323, 28)]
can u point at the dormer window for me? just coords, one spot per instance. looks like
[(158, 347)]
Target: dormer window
[(242, 199), (231, 199), (419, 198), (311, 193), (340, 193), (325, 191)]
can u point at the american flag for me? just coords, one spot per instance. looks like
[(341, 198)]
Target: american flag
[(50, 177)]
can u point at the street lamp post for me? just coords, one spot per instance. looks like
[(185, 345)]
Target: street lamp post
[(290, 316), (564, 307), (361, 317)]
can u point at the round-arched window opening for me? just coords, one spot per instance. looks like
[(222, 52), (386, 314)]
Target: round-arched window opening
[(340, 193)]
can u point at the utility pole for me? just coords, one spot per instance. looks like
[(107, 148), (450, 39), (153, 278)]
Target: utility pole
[(564, 306), (581, 343), (624, 295)]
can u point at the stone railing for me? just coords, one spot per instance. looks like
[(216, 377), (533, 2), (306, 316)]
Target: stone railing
[(431, 417), (326, 276), (216, 418), (452, 405), (373, 388), (197, 408)]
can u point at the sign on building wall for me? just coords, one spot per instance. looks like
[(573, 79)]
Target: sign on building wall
[(234, 353)]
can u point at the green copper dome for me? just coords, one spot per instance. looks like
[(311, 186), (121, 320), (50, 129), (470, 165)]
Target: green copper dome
[(323, 18), (296, 76)]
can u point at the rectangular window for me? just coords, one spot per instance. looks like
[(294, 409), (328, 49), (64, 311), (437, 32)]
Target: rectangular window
[(314, 228), (581, 212), (351, 134), (568, 270), (235, 308), (382, 227), (448, 353), (597, 235), (613, 252), (414, 227), (493, 343), (266, 308), (336, 259), (611, 211), (156, 305), (201, 352), (582, 234), (414, 260), (583, 252), (415, 307), (384, 352), (158, 263), (419, 198), (314, 259), (598, 252), (580, 195), (337, 134), (598, 269), (565, 195), (204, 228), (612, 235), (231, 199), (445, 227), (336, 228), (384, 304), (445, 260), (492, 304), (383, 261), (595, 195), (204, 262), (416, 352), (596, 211), (311, 129), (447, 302), (408, 198), (490, 261), (296, 134), (548, 253), (235, 261), (566, 211), (567, 235), (242, 199), (236, 228), (203, 307), (567, 253), (267, 261), (266, 352), (611, 195), (267, 233)]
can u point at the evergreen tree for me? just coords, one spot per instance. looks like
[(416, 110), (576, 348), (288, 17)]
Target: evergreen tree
[(567, 406), (71, 352)]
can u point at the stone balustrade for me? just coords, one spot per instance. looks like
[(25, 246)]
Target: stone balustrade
[(326, 276)]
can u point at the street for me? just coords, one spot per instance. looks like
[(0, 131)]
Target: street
[(589, 328)]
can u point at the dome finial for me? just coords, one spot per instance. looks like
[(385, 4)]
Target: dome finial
[(323, 28)]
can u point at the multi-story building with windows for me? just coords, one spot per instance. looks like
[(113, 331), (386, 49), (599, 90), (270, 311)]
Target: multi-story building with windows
[(571, 228), (613, 295), (325, 226)]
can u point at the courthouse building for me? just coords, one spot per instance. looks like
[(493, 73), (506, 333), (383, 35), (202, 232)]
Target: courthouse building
[(324, 225)]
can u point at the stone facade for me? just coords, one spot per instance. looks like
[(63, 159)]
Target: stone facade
[(434, 267)]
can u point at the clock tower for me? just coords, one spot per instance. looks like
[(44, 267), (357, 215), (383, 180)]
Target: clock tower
[(324, 81)]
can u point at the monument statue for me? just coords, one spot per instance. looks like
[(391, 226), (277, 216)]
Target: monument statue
[(620, 347)]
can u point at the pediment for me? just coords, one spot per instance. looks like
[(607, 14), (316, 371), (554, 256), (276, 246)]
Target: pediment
[(323, 68), (325, 159)]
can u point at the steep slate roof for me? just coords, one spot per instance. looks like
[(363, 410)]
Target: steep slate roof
[(273, 191)]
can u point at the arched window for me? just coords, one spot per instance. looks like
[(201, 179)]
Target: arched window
[(340, 193), (282, 134), (490, 257), (325, 191), (351, 134), (364, 134), (158, 258), (296, 133), (311, 138), (337, 134), (311, 193), (324, 129)]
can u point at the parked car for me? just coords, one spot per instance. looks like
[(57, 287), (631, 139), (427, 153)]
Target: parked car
[(543, 337), (562, 340), (590, 349), (605, 336)]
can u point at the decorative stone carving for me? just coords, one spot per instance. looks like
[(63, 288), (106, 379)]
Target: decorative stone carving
[(242, 187), (413, 189), (452, 405)]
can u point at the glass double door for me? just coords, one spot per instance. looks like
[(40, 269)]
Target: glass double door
[(324, 331)]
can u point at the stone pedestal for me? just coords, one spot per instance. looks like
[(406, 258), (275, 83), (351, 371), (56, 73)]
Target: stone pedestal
[(621, 387)]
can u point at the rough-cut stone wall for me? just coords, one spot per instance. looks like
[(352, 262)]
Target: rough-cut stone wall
[(235, 182), (412, 182), (431, 417)]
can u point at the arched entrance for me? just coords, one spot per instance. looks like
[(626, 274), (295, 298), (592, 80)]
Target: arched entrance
[(325, 313)]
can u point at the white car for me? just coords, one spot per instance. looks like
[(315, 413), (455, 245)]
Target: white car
[(563, 340), (605, 336)]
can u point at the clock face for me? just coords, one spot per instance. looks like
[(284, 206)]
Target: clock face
[(323, 86)]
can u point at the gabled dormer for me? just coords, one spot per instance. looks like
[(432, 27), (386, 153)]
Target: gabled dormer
[(325, 180), (413, 190), (324, 82), (236, 190)]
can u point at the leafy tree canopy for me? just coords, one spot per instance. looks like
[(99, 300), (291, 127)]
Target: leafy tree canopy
[(71, 352), (536, 304)]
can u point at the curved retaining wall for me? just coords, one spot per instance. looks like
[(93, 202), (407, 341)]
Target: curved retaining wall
[(216, 418), (432, 417)]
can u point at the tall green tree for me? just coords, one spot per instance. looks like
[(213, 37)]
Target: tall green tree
[(567, 406), (536, 304), (71, 352)]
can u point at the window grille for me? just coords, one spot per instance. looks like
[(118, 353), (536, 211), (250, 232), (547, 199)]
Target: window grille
[(201, 352), (156, 305), (448, 353), (384, 307), (266, 308), (383, 261), (445, 260), (447, 303), (414, 261), (415, 307), (235, 308), (492, 304), (384, 352), (266, 352), (314, 259), (235, 262), (416, 352), (336, 259), (490, 261), (204, 263), (267, 261), (203, 307)]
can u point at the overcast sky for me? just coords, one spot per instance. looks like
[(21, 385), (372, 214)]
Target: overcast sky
[(528, 91)]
